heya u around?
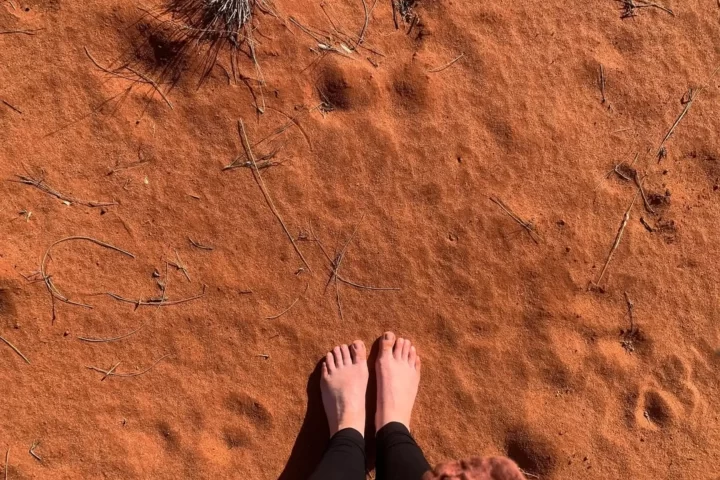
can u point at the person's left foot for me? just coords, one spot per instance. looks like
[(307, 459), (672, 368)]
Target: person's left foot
[(343, 385)]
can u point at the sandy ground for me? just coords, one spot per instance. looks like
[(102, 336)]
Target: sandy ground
[(520, 357)]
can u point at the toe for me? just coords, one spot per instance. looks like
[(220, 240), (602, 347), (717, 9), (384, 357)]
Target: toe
[(329, 362), (324, 369), (397, 351), (337, 353), (347, 360), (386, 343), (406, 349), (412, 358), (417, 363), (358, 351)]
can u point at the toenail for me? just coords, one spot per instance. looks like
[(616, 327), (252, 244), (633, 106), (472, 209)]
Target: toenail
[(387, 336)]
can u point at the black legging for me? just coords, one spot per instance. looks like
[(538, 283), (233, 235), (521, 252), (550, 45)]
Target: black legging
[(398, 456)]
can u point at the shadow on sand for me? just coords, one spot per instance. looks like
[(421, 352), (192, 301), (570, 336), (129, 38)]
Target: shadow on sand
[(314, 433)]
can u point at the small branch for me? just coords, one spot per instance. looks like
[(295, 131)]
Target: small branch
[(690, 98), (618, 237), (199, 245), (266, 194), (529, 227), (35, 444), (40, 184), (440, 69), (111, 373), (114, 339), (630, 306), (9, 105), (161, 302), (54, 292), (7, 342), (21, 32), (361, 37), (273, 317)]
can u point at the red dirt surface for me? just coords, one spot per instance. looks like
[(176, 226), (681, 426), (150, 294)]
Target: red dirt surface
[(520, 357)]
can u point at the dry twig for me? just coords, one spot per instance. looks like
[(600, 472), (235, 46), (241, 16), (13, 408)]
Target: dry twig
[(21, 32), (528, 226), (11, 106), (335, 276), (111, 373), (15, 349), (139, 77), (629, 7), (114, 339), (40, 184), (616, 242), (273, 317), (179, 265), (199, 245), (54, 292), (35, 444), (157, 302), (443, 67), (265, 192)]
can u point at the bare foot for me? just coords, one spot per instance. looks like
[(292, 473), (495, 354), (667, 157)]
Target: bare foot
[(343, 385), (398, 377)]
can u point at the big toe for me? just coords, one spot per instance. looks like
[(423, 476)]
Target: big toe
[(359, 351), (387, 341)]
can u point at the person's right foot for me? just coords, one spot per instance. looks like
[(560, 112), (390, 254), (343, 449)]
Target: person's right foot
[(398, 377)]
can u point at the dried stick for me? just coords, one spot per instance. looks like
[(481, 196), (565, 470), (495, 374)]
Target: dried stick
[(447, 65), (127, 167), (335, 266), (631, 5), (141, 76), (367, 287), (114, 339), (9, 105), (618, 237), (7, 342), (638, 183), (266, 194), (263, 162), (361, 37), (35, 444), (526, 225), (285, 126), (688, 104), (44, 187), (153, 83), (179, 265), (162, 302), (630, 306), (54, 292), (21, 32), (111, 373), (273, 317), (295, 122), (199, 245)]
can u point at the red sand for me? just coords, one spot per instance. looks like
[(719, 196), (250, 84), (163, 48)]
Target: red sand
[(519, 357)]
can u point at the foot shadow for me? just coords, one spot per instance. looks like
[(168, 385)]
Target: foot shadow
[(314, 433), (313, 436)]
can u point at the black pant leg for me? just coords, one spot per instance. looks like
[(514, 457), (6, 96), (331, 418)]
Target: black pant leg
[(398, 456), (344, 458)]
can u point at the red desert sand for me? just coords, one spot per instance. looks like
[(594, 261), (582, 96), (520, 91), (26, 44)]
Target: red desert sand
[(528, 190)]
